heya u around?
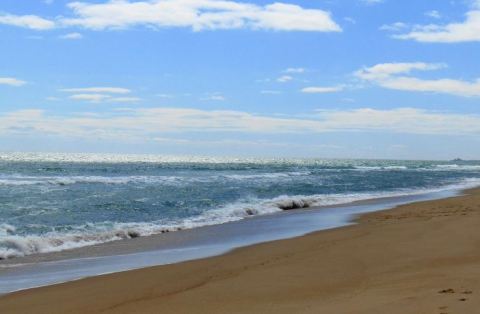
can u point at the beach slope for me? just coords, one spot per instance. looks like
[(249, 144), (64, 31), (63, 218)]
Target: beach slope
[(418, 258)]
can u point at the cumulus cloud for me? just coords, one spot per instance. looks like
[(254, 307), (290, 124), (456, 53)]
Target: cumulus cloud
[(393, 76), (150, 123), (26, 21), (322, 89), (465, 31), (11, 81), (195, 14), (199, 15)]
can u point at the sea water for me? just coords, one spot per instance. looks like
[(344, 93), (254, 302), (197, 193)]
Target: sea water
[(55, 202)]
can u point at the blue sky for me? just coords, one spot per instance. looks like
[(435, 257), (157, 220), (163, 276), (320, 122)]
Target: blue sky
[(350, 78)]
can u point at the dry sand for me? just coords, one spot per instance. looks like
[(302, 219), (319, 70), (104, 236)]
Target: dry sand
[(418, 258)]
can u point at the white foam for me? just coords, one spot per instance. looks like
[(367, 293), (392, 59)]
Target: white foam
[(458, 167), (17, 245), (19, 180), (371, 168), (6, 229), (395, 167), (276, 175)]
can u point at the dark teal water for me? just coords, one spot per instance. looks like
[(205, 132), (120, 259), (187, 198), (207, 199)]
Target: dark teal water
[(56, 202)]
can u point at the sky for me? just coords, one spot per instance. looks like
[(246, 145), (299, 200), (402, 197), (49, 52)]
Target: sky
[(380, 79)]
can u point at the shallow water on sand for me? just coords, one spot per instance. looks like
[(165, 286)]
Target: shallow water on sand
[(40, 270)]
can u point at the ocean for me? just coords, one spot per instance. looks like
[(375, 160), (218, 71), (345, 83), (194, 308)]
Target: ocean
[(55, 202)]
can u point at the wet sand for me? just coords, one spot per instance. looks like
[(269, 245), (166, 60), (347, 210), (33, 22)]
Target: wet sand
[(417, 258)]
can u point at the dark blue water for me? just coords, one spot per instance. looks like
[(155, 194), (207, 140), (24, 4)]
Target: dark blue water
[(56, 202)]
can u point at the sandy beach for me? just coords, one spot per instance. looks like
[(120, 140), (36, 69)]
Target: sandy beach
[(239, 156), (418, 258)]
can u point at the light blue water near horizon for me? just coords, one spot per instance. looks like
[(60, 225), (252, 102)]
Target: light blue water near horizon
[(53, 202)]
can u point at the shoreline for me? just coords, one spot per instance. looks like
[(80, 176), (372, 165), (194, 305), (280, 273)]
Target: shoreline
[(392, 245), (102, 249), (38, 249), (40, 270)]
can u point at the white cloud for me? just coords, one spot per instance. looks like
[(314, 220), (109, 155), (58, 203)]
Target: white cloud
[(395, 27), (169, 96), (98, 98), (392, 76), (125, 99), (433, 14), (270, 92), (11, 81), (444, 86), (199, 15), (72, 36), (217, 97), (101, 94), (402, 120), (468, 30), (284, 79), (386, 70), (107, 90), (26, 21), (295, 70), (151, 123), (372, 2), (322, 89), (90, 97), (214, 97)]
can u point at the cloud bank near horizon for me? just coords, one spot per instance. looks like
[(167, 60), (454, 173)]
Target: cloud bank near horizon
[(151, 123)]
